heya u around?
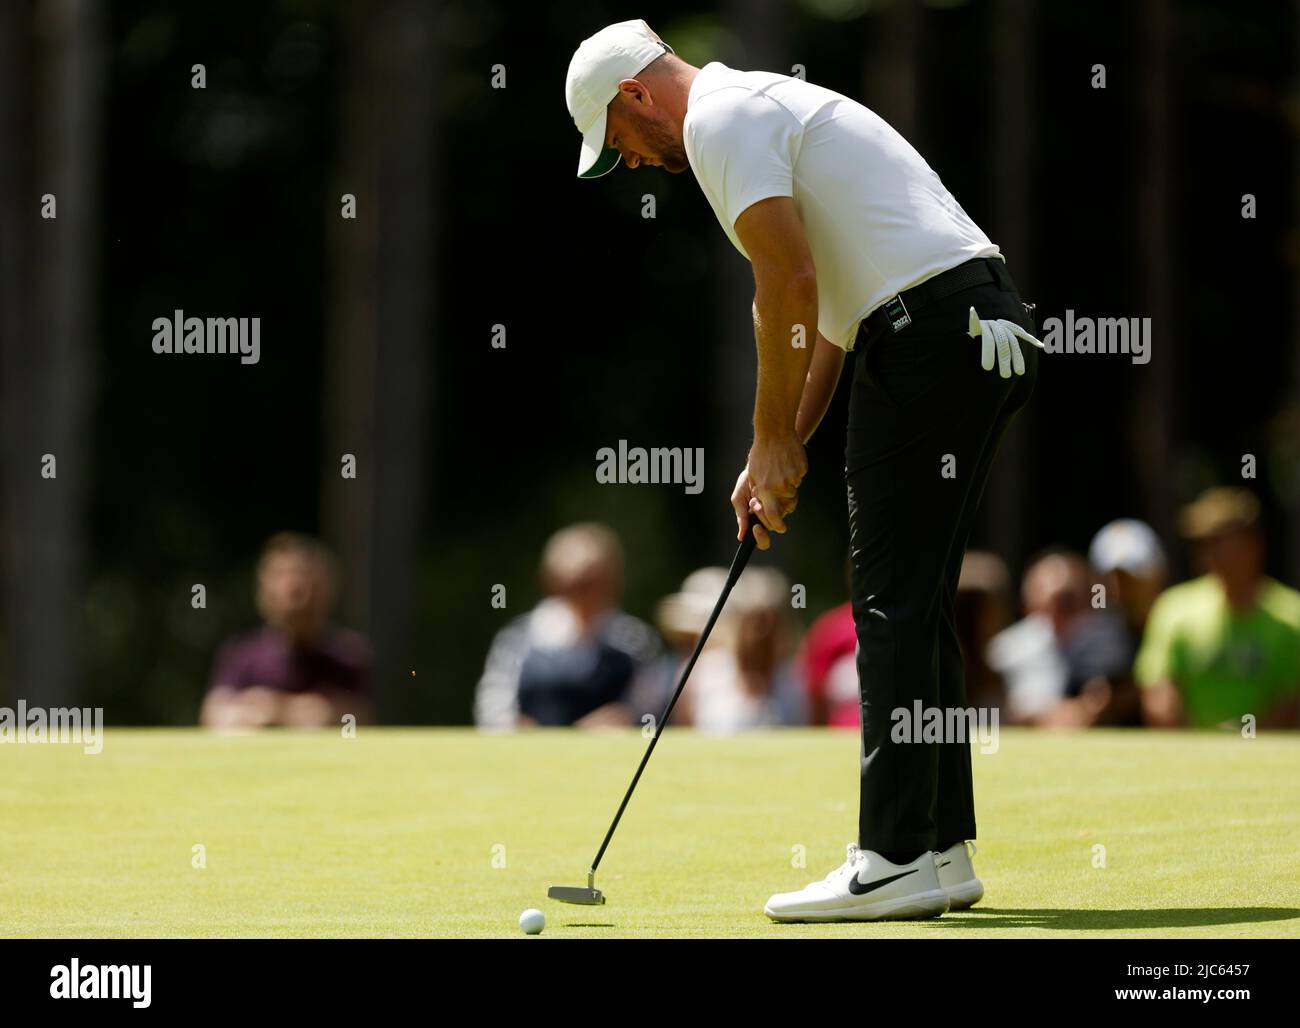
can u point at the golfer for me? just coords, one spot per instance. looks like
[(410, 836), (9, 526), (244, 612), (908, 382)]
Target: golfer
[(856, 246)]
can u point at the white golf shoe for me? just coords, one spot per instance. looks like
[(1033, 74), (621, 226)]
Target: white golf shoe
[(957, 876), (866, 887)]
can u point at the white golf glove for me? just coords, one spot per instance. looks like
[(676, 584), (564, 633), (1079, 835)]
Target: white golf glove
[(1003, 335)]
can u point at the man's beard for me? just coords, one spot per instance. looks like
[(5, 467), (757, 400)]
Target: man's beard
[(672, 155), (676, 163)]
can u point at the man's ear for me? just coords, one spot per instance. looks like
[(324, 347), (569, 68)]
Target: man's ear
[(635, 92)]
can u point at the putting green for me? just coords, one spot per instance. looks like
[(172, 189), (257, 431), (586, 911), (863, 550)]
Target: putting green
[(444, 832)]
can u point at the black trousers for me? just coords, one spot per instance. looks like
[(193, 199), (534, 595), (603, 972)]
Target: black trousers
[(925, 423)]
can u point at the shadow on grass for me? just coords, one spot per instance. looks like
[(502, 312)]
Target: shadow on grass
[(583, 924), (1002, 918)]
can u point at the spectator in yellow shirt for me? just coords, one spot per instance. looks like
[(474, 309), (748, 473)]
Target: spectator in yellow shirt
[(1227, 644)]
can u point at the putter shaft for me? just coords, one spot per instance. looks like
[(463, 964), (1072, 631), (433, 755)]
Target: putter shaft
[(738, 562)]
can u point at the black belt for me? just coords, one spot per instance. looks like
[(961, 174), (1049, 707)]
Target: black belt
[(897, 312)]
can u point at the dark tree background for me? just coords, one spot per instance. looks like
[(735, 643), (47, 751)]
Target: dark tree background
[(376, 332)]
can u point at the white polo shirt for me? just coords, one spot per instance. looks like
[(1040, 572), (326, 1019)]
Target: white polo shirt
[(878, 219)]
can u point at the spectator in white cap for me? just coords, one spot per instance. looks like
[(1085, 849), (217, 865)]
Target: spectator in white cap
[(1127, 557)]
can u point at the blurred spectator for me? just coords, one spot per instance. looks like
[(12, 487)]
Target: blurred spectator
[(297, 670), (681, 618), (575, 657), (1128, 557), (1226, 644), (828, 657), (981, 611), (1027, 655), (829, 665), (1058, 662), (1129, 562), (748, 680)]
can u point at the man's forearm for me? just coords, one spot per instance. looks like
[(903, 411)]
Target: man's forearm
[(782, 365), (823, 376)]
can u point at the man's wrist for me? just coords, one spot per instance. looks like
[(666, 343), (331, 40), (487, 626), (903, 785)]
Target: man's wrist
[(768, 429)]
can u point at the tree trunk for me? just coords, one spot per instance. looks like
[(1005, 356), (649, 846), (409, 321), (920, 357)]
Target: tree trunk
[(1006, 509), (48, 298), (1292, 423), (378, 363), (890, 76), (1154, 430)]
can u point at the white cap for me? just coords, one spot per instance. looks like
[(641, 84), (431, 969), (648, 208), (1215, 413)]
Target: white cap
[(600, 63), (1127, 545)]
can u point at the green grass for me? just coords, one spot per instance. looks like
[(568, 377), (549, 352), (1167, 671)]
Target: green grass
[(396, 833)]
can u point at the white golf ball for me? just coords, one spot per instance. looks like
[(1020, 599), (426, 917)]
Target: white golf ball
[(532, 921)]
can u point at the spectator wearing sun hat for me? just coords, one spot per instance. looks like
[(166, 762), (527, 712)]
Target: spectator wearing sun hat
[(748, 679), (680, 618)]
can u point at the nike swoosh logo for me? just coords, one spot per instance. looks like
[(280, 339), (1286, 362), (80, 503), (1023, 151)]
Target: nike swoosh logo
[(858, 889), (945, 863)]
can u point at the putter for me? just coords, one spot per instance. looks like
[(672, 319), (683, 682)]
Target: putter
[(590, 895)]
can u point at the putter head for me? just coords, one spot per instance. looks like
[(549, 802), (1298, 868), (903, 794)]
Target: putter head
[(576, 894), (588, 897)]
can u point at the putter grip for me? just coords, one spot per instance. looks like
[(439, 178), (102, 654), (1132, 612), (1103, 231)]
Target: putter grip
[(743, 552), (746, 550)]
